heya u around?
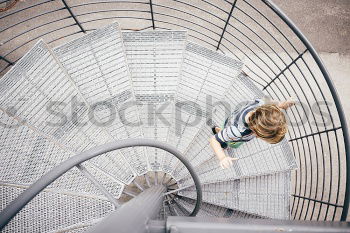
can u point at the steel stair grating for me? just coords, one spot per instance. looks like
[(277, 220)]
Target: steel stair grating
[(25, 155), (184, 211), (111, 184), (198, 80), (36, 81), (211, 210), (210, 171), (71, 183), (79, 227), (205, 211), (114, 165), (31, 155), (266, 196), (74, 181), (154, 59), (65, 210), (204, 74), (97, 65)]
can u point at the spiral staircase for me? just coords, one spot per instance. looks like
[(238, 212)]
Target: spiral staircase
[(114, 124)]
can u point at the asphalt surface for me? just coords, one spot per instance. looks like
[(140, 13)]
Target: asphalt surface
[(326, 23)]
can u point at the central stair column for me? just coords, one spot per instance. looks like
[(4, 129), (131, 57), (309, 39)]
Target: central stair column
[(134, 215)]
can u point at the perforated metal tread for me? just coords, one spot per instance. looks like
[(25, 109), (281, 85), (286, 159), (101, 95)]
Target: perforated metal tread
[(35, 81), (154, 59), (79, 227), (97, 65), (256, 157), (212, 210), (205, 76), (36, 88), (266, 196), (52, 211), (76, 182), (26, 156), (206, 210)]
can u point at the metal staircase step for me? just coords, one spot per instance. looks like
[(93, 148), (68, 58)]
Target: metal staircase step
[(75, 180), (79, 227), (212, 210), (50, 211), (26, 156), (96, 63), (205, 211), (154, 60), (38, 82), (204, 78), (266, 196)]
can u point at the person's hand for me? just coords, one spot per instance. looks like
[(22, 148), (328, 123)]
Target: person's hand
[(227, 162), (288, 103)]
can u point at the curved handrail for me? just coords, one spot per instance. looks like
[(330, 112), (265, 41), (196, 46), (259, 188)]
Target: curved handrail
[(16, 205), (333, 91)]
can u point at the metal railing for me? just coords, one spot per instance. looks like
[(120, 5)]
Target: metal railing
[(24, 198), (277, 56)]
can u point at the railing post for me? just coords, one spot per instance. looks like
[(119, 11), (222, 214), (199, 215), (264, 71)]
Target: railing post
[(6, 60), (95, 182), (226, 23), (73, 16), (152, 15), (286, 68)]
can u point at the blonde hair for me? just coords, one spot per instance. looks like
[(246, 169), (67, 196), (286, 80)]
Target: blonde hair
[(269, 123)]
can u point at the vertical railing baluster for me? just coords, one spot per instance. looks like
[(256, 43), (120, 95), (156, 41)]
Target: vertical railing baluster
[(226, 23), (152, 15), (155, 178), (147, 180), (137, 185), (104, 191), (285, 69), (7, 60), (73, 16), (163, 178)]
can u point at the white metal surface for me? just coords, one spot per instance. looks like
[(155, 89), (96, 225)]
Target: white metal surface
[(97, 65), (27, 155), (204, 78), (267, 195), (39, 92), (154, 59), (51, 211)]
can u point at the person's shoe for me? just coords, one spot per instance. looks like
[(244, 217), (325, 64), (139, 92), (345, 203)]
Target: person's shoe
[(213, 129)]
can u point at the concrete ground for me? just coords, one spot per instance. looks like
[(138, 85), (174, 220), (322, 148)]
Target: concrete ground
[(326, 23)]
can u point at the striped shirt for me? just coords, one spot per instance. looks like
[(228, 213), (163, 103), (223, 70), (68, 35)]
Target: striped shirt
[(236, 128)]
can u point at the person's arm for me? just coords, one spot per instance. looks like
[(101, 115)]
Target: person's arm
[(225, 161), (286, 104), (281, 104)]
